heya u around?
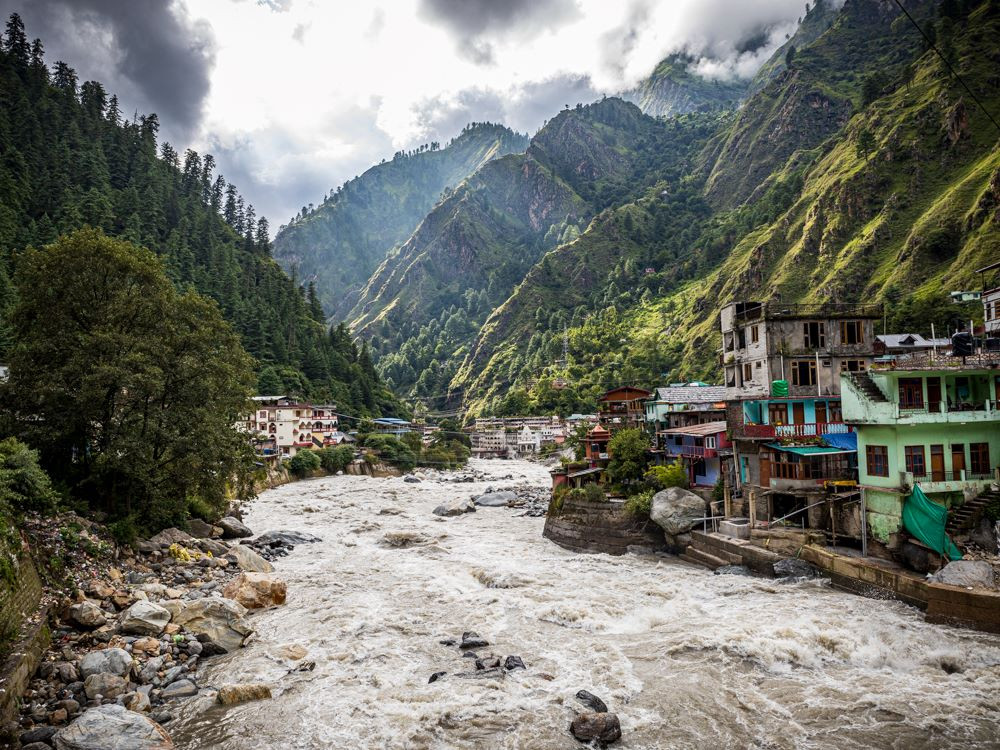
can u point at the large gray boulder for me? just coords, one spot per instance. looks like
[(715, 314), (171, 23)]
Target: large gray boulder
[(455, 508), (974, 573), (496, 499), (248, 560), (112, 727), (144, 618), (233, 528), (171, 536), (106, 661), (86, 614), (104, 685), (677, 511), (222, 621)]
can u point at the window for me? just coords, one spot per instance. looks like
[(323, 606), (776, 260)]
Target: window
[(853, 365), (852, 332), (915, 460), (804, 372), (777, 413), (979, 453), (836, 415), (754, 335), (814, 334), (710, 441), (911, 393), (877, 460), (747, 371)]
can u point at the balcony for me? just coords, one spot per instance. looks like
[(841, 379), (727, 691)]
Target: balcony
[(691, 451), (819, 310), (809, 429), (948, 481)]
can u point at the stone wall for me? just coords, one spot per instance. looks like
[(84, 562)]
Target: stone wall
[(21, 618), (606, 527), (20, 597)]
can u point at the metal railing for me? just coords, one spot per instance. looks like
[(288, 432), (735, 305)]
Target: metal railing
[(808, 429)]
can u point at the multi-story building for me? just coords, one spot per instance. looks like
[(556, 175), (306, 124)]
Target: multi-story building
[(623, 407), (782, 366), (991, 299), (281, 426), (684, 405), (489, 443), (701, 448), (928, 422)]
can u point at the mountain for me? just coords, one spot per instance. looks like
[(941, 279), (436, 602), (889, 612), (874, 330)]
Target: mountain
[(863, 172), (425, 303), (674, 89), (341, 242), (69, 159)]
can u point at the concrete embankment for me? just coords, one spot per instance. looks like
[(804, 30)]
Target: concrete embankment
[(585, 526)]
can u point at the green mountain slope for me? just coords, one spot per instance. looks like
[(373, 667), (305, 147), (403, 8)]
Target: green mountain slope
[(426, 301), (69, 159), (900, 203), (341, 242), (673, 89)]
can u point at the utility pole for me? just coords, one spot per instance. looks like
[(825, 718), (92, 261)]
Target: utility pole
[(565, 346)]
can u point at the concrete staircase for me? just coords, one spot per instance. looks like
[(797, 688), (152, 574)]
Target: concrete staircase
[(864, 383), (968, 514), (714, 550)]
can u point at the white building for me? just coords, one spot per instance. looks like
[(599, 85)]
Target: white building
[(282, 426)]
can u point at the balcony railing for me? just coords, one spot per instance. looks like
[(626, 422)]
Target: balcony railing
[(952, 476), (693, 451), (809, 429), (811, 310)]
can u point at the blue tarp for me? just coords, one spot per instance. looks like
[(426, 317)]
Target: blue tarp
[(926, 520), (847, 441)]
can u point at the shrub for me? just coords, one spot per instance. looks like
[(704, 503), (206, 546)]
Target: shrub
[(124, 531), (628, 451), (719, 491), (661, 477), (336, 459), (640, 504), (392, 450), (24, 486), (304, 463)]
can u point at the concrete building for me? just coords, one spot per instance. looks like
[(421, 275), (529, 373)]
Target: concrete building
[(782, 366), (701, 448), (925, 422), (489, 443), (281, 426), (622, 408), (991, 299)]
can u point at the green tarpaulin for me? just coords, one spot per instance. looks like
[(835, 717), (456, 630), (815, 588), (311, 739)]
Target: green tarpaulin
[(925, 519)]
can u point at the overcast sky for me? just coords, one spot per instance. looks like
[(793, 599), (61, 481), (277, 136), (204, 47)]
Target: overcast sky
[(294, 97)]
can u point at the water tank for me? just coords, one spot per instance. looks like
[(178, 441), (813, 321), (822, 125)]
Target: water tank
[(779, 388), (962, 344)]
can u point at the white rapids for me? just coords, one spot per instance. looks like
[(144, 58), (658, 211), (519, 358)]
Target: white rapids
[(687, 659)]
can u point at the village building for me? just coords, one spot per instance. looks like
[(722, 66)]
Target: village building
[(925, 422), (701, 448), (685, 404), (392, 426), (907, 343), (281, 426), (991, 304), (622, 408), (793, 454), (490, 443)]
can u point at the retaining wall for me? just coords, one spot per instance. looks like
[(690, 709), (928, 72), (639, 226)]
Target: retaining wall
[(584, 526), (20, 602)]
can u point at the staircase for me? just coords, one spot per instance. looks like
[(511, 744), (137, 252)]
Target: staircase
[(713, 550), (864, 383), (967, 515)]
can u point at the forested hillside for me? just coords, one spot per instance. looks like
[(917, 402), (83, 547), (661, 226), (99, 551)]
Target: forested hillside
[(425, 304), (674, 89), (69, 158), (339, 243), (863, 171)]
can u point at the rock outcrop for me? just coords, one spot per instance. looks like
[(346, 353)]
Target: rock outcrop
[(256, 590), (677, 511), (112, 727)]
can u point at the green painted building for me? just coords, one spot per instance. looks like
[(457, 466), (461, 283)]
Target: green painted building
[(925, 420)]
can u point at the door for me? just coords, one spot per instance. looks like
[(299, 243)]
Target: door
[(937, 463), (765, 469), (798, 413), (957, 459), (933, 394), (821, 412)]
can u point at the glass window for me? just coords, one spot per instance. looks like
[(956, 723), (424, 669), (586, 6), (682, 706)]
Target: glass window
[(814, 335), (852, 332), (911, 393), (915, 460), (877, 460), (853, 365), (804, 372), (754, 335), (979, 455)]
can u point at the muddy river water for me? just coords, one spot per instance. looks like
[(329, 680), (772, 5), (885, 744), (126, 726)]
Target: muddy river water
[(687, 659)]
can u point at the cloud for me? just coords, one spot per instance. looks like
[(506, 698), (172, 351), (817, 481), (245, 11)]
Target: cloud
[(155, 57)]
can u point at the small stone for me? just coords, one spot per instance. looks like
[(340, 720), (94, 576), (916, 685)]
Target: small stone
[(180, 689), (87, 614), (115, 661), (471, 639), (230, 695), (513, 662), (136, 701), (145, 618), (592, 701), (59, 716), (146, 645), (38, 734), (104, 684), (436, 676), (602, 727)]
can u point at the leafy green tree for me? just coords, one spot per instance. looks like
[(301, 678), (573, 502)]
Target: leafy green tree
[(629, 452), (866, 144), (304, 463), (672, 475), (129, 389), (24, 486), (336, 459)]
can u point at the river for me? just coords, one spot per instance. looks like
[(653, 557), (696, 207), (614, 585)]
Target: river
[(687, 659)]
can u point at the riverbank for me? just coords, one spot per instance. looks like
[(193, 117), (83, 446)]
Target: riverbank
[(680, 655)]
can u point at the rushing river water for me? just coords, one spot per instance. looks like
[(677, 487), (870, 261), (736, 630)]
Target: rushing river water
[(687, 659)]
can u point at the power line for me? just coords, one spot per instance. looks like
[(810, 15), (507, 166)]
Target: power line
[(944, 59)]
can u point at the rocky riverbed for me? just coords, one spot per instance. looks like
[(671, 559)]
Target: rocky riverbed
[(407, 629)]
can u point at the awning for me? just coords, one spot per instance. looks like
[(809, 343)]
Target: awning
[(808, 450), (847, 441), (585, 472)]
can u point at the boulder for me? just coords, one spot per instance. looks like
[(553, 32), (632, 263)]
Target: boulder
[(199, 529), (986, 534), (496, 499), (220, 621), (105, 685), (676, 510), (136, 701), (217, 548), (592, 702), (233, 528), (38, 734), (86, 614), (248, 560), (256, 590), (920, 557), (733, 570), (171, 536), (436, 676), (144, 618), (455, 508), (284, 538), (411, 479), (472, 639), (112, 727), (106, 661), (967, 573), (513, 662), (230, 695), (604, 728), (792, 567), (179, 689), (148, 672)]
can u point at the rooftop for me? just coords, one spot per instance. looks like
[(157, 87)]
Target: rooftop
[(926, 360), (777, 310), (689, 394), (698, 430), (914, 340)]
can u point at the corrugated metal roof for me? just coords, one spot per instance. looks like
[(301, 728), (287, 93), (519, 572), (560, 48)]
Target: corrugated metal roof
[(691, 394), (807, 450), (697, 430)]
